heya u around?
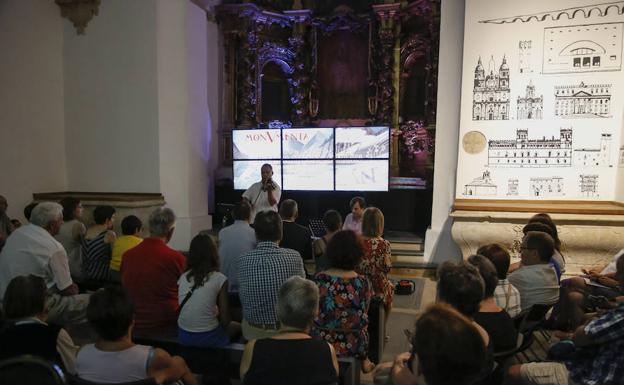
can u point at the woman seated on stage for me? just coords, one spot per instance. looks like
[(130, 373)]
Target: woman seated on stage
[(291, 356), (345, 298)]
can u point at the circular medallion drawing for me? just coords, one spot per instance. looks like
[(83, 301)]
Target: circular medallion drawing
[(473, 142)]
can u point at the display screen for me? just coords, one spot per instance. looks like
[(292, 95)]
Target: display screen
[(314, 159), (247, 172), (256, 144), (362, 175), (308, 175), (363, 142)]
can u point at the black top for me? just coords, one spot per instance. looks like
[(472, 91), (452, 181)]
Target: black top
[(291, 362), (298, 238), (500, 327), (30, 338)]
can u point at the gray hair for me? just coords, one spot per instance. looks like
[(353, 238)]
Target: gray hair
[(161, 221), (45, 213), (297, 302)]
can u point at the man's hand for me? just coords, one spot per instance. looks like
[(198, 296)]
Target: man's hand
[(70, 290)]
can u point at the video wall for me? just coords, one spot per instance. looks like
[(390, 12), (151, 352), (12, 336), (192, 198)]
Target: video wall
[(314, 159), (542, 101)]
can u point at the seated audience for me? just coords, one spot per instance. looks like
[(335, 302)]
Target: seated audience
[(32, 249), (71, 235), (536, 279), (446, 349), (597, 354), (114, 358), (496, 322), (333, 223), (15, 223), (5, 223), (234, 241), (344, 299), (542, 228), (377, 261), (27, 331), (203, 297), (131, 229), (261, 272), (295, 236), (150, 273), (545, 219), (291, 356), (28, 210), (353, 221), (97, 245), (505, 295)]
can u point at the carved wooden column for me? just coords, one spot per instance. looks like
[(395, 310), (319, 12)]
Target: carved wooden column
[(300, 80), (246, 80), (385, 61)]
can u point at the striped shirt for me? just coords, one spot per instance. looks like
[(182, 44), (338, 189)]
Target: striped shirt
[(261, 272), (97, 256)]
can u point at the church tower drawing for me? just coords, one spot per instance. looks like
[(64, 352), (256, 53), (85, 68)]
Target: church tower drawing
[(491, 91)]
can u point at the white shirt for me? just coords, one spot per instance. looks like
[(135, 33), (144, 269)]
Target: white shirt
[(32, 250), (198, 314), (611, 266), (350, 223), (537, 284), (260, 199)]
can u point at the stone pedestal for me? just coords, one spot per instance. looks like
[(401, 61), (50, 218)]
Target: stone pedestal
[(591, 236)]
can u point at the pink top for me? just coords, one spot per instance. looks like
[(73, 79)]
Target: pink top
[(350, 223)]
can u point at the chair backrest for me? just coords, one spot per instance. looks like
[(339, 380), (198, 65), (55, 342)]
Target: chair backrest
[(80, 381), (30, 370)]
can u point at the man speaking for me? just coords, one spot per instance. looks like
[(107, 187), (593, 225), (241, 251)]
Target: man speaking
[(263, 195)]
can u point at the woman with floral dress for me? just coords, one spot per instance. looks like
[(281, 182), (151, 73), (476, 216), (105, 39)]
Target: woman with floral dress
[(344, 300), (376, 262)]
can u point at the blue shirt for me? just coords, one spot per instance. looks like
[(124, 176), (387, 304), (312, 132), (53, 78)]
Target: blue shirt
[(234, 241), (603, 361), (261, 272)]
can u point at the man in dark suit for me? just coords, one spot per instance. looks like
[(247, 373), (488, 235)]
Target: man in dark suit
[(295, 236)]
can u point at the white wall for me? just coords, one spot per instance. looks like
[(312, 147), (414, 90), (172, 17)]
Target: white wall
[(439, 245), (32, 144), (111, 99)]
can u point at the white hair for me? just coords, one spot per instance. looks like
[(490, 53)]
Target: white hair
[(45, 213), (297, 302), (161, 221)]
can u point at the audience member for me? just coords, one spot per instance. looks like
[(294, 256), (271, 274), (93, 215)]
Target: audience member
[(505, 295), (263, 195), (150, 272), (234, 241), (377, 259), (27, 331), (536, 279), (261, 272), (5, 222), (203, 297), (597, 353), (131, 229), (71, 235), (97, 245), (291, 356), (333, 223), (542, 228), (496, 322), (545, 219), (114, 358), (28, 210), (16, 223), (32, 249), (446, 349), (344, 299), (353, 221), (295, 236)]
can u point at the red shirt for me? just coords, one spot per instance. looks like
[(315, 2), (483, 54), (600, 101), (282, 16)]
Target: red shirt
[(149, 273)]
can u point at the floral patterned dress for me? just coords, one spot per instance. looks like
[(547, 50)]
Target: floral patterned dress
[(343, 314), (376, 266)]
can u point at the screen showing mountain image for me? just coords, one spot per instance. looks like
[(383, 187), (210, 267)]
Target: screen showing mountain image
[(256, 144), (308, 175), (247, 172), (362, 175), (363, 142), (308, 143)]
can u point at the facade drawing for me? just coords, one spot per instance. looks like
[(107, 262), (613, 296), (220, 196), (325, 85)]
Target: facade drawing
[(583, 11), (491, 91), (583, 101), (589, 185), (530, 106), (594, 156), (512, 186), (525, 152), (582, 48), (524, 56), (481, 186), (550, 186)]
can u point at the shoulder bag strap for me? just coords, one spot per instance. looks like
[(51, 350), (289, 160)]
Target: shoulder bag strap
[(188, 296)]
